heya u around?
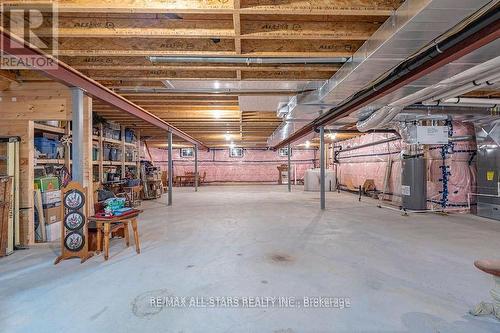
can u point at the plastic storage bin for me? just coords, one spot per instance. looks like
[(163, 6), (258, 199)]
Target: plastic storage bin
[(129, 155), (95, 153), (106, 153), (129, 135), (112, 154), (133, 182), (47, 147), (108, 132), (116, 134)]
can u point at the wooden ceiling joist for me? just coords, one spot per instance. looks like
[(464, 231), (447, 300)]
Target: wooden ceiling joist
[(110, 41), (14, 46), (300, 7)]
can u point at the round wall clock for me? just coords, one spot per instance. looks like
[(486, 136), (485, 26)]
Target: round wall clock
[(74, 199), (74, 241), (74, 220)]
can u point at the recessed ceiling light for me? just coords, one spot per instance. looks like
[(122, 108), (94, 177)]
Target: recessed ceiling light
[(217, 114), (228, 137)]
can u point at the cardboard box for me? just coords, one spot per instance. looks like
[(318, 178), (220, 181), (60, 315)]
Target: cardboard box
[(51, 197), (53, 231), (47, 184), (52, 215)]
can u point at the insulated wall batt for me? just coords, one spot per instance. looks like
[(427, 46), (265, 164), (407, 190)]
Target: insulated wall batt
[(256, 165), (371, 162)]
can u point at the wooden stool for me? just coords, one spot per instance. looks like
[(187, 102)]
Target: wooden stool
[(112, 224), (491, 267)]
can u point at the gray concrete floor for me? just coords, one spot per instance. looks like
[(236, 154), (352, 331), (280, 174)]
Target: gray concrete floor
[(402, 274)]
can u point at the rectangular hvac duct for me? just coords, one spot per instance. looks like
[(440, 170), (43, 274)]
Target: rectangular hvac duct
[(415, 24)]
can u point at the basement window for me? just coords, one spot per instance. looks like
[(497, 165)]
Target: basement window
[(236, 152), (284, 152), (187, 152)]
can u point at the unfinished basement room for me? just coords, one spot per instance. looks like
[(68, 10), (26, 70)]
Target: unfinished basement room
[(267, 166)]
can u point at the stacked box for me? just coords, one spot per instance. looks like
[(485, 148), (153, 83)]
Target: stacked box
[(47, 184), (53, 231), (51, 201)]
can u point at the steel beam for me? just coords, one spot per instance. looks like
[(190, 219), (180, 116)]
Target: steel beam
[(322, 167), (70, 77), (289, 169), (77, 134), (170, 168), (195, 168)]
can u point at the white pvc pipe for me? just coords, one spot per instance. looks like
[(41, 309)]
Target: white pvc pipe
[(467, 101), (469, 80)]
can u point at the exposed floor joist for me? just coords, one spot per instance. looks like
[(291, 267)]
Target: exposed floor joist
[(110, 41)]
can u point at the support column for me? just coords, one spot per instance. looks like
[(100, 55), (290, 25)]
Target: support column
[(289, 169), (170, 169), (322, 166), (77, 135), (196, 168)]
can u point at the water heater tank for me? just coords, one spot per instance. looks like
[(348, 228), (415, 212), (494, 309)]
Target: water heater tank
[(414, 183)]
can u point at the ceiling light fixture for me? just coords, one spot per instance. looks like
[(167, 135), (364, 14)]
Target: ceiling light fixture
[(217, 114), (308, 144)]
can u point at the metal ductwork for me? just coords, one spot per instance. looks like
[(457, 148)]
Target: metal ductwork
[(249, 61), (485, 74), (414, 25)]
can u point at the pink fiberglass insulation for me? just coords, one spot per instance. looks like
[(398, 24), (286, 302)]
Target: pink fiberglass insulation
[(461, 166), (256, 165), (361, 164)]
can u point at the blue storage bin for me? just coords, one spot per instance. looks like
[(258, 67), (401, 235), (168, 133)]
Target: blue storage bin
[(112, 154), (133, 182), (129, 135), (47, 147), (106, 154)]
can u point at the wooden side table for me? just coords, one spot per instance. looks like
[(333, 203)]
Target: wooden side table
[(114, 223)]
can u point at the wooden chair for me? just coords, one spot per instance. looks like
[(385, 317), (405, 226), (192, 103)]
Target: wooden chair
[(164, 180)]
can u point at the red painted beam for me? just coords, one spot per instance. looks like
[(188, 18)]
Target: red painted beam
[(70, 77)]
